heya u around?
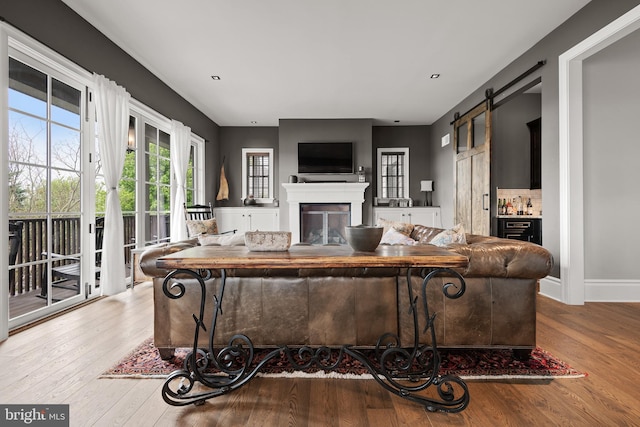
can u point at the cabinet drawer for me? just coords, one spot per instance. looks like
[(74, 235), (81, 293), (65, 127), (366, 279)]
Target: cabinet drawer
[(529, 230), (517, 224)]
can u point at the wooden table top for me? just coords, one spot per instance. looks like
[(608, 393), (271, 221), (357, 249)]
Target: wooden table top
[(301, 256)]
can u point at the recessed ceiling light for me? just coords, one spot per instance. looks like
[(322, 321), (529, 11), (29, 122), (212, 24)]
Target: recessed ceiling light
[(215, 77), (435, 76)]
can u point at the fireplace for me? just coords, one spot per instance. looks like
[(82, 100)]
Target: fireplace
[(323, 223), (350, 194)]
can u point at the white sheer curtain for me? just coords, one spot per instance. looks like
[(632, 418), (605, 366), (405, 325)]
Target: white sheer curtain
[(112, 108), (180, 150)]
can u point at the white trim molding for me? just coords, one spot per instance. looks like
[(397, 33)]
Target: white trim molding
[(573, 286)]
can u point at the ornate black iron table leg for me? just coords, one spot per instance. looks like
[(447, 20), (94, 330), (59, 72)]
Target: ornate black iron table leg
[(407, 372)]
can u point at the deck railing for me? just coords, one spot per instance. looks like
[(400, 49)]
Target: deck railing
[(65, 234)]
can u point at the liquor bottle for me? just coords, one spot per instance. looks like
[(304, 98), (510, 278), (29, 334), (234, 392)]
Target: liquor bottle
[(529, 207), (520, 209), (499, 206), (510, 207)]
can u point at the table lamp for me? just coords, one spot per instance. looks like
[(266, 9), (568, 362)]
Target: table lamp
[(427, 187)]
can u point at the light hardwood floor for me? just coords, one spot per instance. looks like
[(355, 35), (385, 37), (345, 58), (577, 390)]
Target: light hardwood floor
[(59, 361)]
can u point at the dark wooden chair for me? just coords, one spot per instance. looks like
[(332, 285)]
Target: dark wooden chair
[(70, 270), (15, 242), (201, 213)]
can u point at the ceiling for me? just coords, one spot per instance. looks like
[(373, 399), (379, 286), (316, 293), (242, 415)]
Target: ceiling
[(287, 59)]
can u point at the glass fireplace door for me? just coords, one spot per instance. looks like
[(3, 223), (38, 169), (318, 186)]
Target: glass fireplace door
[(324, 223)]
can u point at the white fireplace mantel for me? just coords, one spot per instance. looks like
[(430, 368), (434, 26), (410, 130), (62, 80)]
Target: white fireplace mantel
[(323, 192)]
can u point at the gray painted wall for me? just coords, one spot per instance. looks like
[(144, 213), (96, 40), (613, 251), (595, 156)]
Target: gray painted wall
[(585, 22), (611, 151), (232, 141), (284, 140), (417, 139), (292, 131)]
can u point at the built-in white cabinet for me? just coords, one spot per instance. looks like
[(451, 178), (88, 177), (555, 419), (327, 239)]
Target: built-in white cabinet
[(423, 215), (247, 219)]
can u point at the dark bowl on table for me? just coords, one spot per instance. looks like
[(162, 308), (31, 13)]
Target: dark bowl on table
[(364, 238)]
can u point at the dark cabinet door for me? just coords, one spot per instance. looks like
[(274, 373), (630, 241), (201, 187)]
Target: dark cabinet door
[(536, 154)]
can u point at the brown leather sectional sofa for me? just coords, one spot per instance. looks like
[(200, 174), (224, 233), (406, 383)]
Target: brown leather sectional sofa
[(356, 306)]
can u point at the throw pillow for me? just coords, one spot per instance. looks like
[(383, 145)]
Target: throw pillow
[(394, 237), (453, 235), (236, 239), (403, 227), (197, 227)]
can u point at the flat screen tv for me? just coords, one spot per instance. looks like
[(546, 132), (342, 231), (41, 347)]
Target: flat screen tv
[(325, 157)]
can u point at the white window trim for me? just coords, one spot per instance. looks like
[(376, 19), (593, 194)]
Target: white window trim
[(381, 150), (245, 185)]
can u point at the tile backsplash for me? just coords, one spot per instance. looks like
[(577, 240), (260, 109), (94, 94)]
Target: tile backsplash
[(514, 193)]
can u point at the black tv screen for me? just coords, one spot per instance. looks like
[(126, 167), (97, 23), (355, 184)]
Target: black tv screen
[(325, 157)]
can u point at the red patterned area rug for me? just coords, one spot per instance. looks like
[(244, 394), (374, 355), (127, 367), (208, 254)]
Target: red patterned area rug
[(145, 362)]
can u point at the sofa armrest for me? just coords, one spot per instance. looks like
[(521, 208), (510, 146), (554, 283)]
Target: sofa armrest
[(150, 256), (495, 257)]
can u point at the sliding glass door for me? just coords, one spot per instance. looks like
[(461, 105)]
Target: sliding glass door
[(45, 180)]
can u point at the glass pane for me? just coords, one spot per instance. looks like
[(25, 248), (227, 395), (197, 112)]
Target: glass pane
[(461, 143), (151, 166), (27, 89), (101, 195), (65, 104), (164, 228), (164, 200), (65, 191), (479, 130), (27, 188), (65, 234), (27, 139), (150, 138), (127, 187), (392, 174), (165, 171), (65, 148), (151, 233), (152, 197), (165, 144)]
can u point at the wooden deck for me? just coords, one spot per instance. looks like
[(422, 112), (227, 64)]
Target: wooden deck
[(60, 361), (30, 301)]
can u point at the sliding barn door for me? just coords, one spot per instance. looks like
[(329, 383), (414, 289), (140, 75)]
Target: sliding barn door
[(472, 147)]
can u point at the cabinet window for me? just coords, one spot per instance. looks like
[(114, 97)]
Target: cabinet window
[(257, 174), (393, 173)]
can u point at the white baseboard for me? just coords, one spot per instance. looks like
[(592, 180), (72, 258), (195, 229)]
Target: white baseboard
[(551, 287), (595, 290), (612, 290)]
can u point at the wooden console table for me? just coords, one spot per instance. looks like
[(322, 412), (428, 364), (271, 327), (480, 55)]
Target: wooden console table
[(406, 372)]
